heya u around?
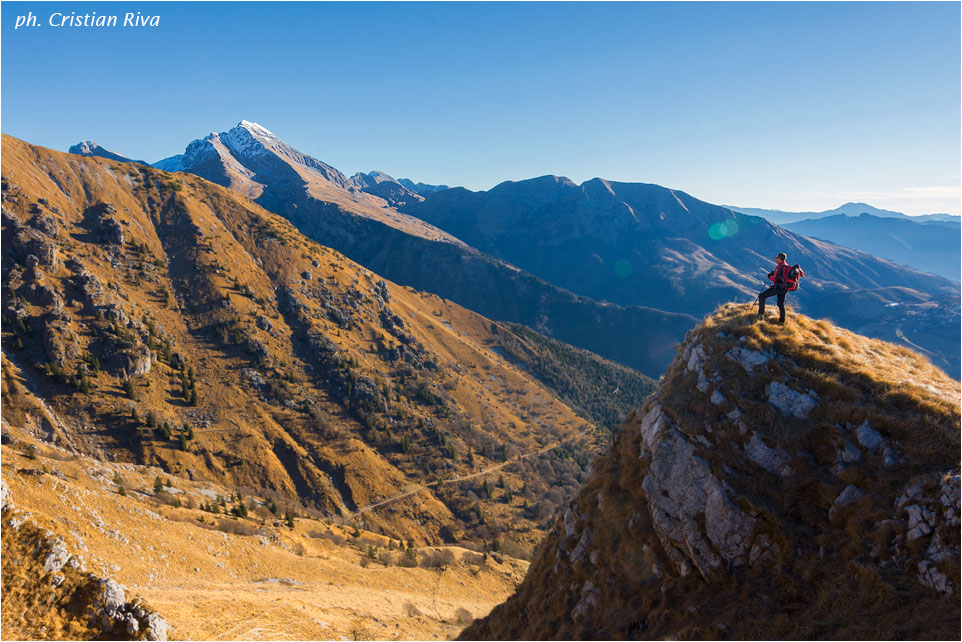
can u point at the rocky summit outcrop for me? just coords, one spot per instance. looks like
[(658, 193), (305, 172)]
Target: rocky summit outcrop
[(792, 481)]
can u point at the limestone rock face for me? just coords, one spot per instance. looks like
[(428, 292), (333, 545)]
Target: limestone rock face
[(694, 518), (135, 361), (774, 460), (789, 401)]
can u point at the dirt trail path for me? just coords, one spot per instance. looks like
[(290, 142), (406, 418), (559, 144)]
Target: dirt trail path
[(417, 489)]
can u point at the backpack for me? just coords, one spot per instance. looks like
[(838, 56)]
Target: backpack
[(794, 277)]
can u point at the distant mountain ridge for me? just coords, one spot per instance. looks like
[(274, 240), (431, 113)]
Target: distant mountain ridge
[(782, 217), (421, 188), (933, 247)]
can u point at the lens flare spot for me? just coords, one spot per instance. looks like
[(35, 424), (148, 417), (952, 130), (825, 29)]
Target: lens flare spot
[(723, 229), (622, 268)]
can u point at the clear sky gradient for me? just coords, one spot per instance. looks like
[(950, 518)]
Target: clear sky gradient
[(783, 105)]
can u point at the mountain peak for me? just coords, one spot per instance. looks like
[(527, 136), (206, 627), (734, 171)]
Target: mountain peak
[(90, 148), (84, 148), (258, 131)]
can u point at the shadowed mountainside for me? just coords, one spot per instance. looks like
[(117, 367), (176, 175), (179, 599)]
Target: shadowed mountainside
[(642, 244)]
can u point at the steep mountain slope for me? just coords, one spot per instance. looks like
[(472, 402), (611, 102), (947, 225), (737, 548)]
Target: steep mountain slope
[(336, 211), (932, 247), (784, 482), (171, 322), (640, 244)]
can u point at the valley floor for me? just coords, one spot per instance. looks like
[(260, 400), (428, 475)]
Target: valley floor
[(314, 581)]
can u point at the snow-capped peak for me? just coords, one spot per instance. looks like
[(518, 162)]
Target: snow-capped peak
[(256, 130)]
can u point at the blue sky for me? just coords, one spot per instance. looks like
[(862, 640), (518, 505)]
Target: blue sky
[(790, 106)]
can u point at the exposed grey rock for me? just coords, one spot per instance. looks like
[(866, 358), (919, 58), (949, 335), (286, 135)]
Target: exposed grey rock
[(113, 312), (685, 498), (569, 522), (45, 252), (136, 361), (6, 498), (264, 323), (869, 437), (788, 401), (59, 341), (110, 229), (652, 425), (949, 498), (57, 579), (45, 224), (847, 496), (913, 492), (133, 626), (920, 521), (380, 288), (890, 456), (157, 628), (774, 460), (254, 377), (55, 555), (257, 348), (931, 576), (90, 286), (111, 599), (580, 551), (718, 398), (849, 453), (590, 594), (747, 359), (695, 356), (764, 552)]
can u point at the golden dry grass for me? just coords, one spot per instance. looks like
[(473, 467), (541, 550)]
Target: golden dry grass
[(276, 583)]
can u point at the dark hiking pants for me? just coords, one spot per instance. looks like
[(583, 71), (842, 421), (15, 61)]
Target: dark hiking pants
[(779, 291)]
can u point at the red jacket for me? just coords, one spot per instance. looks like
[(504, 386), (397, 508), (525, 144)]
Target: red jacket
[(780, 276)]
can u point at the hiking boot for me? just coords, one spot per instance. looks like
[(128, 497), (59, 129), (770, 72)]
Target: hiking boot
[(761, 317), (781, 322)]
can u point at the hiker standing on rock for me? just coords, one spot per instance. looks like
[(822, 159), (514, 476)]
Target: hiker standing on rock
[(785, 279)]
